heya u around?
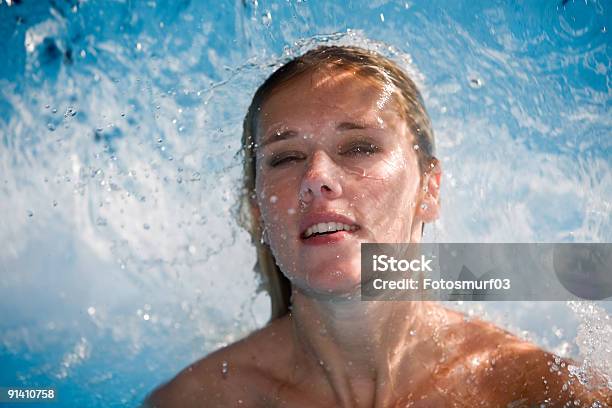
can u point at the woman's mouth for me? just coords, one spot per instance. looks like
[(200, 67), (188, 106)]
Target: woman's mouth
[(327, 228), (327, 233)]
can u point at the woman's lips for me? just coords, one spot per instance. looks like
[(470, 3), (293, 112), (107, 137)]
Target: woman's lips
[(323, 216), (328, 238)]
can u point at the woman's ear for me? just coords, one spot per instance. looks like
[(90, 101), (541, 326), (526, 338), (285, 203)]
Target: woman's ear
[(429, 208)]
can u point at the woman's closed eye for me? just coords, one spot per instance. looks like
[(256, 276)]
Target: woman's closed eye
[(354, 149), (361, 148), (285, 157)]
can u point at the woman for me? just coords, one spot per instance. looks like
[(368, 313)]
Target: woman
[(339, 151)]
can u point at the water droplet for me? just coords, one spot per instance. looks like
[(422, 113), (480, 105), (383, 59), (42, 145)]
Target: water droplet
[(224, 369), (101, 221), (146, 316), (70, 112), (382, 17), (412, 332), (30, 213), (50, 126), (146, 226), (138, 46), (415, 147), (91, 310), (195, 176), (423, 206), (266, 19), (273, 199), (475, 83)]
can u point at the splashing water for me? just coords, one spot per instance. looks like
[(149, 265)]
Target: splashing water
[(120, 131), (593, 340)]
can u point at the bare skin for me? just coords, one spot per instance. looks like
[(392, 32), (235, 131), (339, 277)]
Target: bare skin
[(333, 350), (473, 364)]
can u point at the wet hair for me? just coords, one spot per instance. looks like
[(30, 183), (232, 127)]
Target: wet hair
[(367, 65)]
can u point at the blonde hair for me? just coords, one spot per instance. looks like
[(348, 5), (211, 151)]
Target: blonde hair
[(369, 66)]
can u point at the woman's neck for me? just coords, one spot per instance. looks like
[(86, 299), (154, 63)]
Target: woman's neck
[(361, 346)]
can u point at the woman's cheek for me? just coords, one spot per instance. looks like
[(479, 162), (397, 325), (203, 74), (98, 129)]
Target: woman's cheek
[(392, 165), (279, 222), (388, 205), (286, 258)]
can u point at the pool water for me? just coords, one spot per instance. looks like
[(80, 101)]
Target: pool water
[(120, 124)]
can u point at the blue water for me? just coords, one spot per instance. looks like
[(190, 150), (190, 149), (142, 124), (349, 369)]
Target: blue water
[(119, 127)]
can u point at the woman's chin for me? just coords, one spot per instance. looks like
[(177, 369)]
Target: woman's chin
[(342, 282)]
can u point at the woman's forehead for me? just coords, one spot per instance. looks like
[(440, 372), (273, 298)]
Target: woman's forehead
[(319, 99)]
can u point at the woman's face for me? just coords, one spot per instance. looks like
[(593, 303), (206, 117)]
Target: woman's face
[(332, 147)]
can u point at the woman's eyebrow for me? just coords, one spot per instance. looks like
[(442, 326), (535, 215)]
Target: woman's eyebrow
[(277, 136), (351, 125), (287, 134)]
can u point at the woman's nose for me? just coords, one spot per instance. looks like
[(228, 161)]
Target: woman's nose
[(320, 179)]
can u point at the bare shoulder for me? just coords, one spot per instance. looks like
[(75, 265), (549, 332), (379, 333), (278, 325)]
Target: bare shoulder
[(235, 374), (505, 369)]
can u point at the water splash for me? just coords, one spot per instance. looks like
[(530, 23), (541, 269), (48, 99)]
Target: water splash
[(526, 166), (80, 352), (593, 340)]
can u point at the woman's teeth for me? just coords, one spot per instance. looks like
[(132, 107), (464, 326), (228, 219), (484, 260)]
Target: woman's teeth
[(323, 227)]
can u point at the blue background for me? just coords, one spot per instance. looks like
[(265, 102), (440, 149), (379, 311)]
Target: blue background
[(120, 124)]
